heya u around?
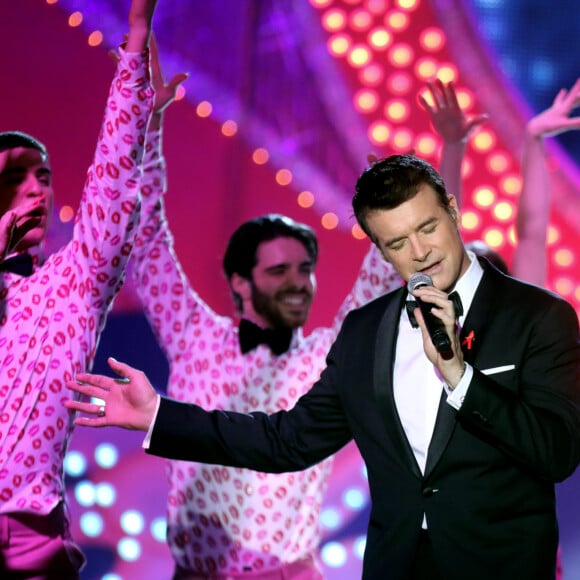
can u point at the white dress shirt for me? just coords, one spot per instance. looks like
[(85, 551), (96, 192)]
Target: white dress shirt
[(417, 384)]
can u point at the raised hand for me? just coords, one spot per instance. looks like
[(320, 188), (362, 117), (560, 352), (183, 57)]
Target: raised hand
[(556, 118), (165, 93), (447, 117), (129, 402), (529, 261)]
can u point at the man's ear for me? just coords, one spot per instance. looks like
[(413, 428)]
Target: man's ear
[(454, 209), (241, 286)]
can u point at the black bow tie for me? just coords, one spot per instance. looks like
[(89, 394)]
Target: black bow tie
[(252, 335), (18, 264), (454, 297)]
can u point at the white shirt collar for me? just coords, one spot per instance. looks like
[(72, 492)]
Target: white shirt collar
[(468, 283)]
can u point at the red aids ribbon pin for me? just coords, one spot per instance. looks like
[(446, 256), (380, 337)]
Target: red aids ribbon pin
[(468, 340)]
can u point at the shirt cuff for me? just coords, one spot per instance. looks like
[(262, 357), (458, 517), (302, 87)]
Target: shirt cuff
[(147, 440), (456, 396)]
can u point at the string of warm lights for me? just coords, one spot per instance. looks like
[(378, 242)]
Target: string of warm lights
[(392, 50)]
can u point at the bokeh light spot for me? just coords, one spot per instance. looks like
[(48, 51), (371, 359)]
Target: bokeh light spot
[(425, 68), (229, 128), (95, 38), (563, 257), (564, 286), (397, 20), (399, 83), (553, 235), (329, 221), (204, 109), (75, 463), (359, 56), (498, 163), (333, 554), (260, 156), (355, 499), (330, 518), (75, 19), (85, 493), (159, 529), (366, 100), (379, 133), (371, 75), (401, 55), (334, 19), (339, 44), (360, 19), (484, 196), (106, 455), (397, 110), (503, 211), (380, 38), (357, 232), (284, 177), (512, 184), (402, 140), (305, 199), (105, 494), (484, 140), (432, 39), (129, 549), (469, 220), (132, 522), (91, 524), (426, 144), (494, 238)]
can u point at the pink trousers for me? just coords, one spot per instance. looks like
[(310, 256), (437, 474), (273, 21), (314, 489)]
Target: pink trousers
[(304, 569), (36, 547)]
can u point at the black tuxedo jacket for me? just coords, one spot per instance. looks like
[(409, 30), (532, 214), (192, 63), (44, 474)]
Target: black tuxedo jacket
[(488, 489)]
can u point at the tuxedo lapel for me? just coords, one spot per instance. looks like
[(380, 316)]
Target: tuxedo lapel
[(444, 426), (480, 313), (383, 380), (471, 336)]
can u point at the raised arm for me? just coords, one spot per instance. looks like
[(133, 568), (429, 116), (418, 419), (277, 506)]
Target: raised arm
[(165, 93), (155, 269), (529, 261), (109, 210), (454, 127), (140, 20)]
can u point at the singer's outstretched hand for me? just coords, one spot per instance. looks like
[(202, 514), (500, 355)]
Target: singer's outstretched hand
[(129, 402), (451, 369)]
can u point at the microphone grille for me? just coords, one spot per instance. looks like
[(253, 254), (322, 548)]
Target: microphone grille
[(417, 280)]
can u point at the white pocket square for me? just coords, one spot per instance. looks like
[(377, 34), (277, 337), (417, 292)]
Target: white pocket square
[(495, 370)]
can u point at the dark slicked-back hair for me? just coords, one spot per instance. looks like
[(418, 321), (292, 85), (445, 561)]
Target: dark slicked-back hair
[(13, 139), (240, 256), (389, 182)]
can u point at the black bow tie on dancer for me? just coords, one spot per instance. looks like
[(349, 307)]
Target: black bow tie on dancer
[(19, 264), (454, 297), (251, 335)]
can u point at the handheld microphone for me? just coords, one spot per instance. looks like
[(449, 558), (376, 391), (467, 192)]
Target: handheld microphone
[(434, 325)]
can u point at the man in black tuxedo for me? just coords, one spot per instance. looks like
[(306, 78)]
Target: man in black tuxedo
[(462, 450)]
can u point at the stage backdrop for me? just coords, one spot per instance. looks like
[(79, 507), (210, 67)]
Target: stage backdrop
[(285, 100)]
